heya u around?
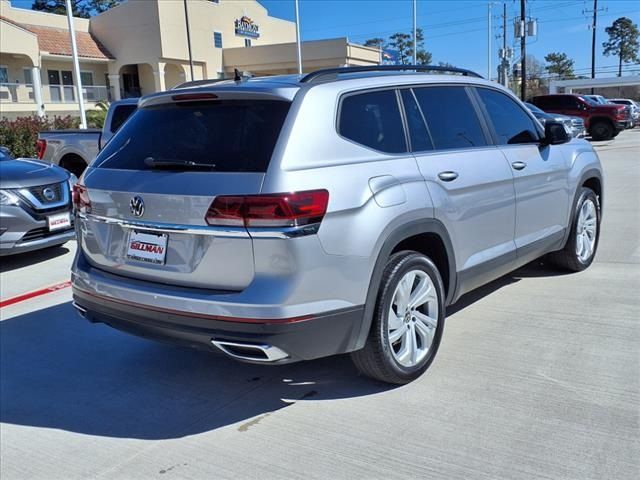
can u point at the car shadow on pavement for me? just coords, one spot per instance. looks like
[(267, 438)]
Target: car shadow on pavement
[(59, 371), (20, 260), (537, 269)]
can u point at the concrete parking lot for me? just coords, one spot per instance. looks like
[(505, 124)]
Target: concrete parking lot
[(538, 376)]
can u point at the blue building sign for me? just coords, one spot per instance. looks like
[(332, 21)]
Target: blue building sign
[(246, 28)]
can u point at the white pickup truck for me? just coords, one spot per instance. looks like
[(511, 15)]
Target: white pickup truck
[(75, 149)]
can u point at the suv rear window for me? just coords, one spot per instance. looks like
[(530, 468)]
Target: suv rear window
[(230, 135), (120, 115)]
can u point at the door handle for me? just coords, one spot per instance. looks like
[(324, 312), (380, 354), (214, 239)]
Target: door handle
[(518, 165), (447, 176)]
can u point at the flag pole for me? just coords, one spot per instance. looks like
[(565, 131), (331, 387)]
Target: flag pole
[(76, 66)]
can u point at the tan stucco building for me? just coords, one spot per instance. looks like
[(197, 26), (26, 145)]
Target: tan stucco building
[(141, 47)]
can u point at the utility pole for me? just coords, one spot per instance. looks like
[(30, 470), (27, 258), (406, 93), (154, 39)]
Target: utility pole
[(523, 52), (489, 40), (593, 37), (505, 61), (186, 21)]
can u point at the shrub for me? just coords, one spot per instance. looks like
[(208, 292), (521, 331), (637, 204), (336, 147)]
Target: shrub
[(20, 135), (97, 117)]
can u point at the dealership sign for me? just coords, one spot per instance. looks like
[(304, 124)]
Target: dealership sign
[(246, 27)]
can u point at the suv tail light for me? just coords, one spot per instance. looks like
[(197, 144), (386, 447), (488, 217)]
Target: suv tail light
[(41, 146), (80, 198), (274, 210)]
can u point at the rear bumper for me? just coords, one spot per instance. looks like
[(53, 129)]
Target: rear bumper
[(306, 338)]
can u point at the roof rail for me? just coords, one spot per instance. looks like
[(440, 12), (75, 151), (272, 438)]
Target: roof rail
[(313, 76)]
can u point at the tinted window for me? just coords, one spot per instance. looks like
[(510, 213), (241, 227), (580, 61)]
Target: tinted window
[(543, 102), (510, 123), (451, 117), (230, 135), (373, 119), (120, 115), (418, 133)]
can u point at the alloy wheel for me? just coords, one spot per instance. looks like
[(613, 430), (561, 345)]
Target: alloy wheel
[(586, 230), (413, 318)]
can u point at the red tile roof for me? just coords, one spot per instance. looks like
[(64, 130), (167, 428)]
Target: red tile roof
[(57, 41)]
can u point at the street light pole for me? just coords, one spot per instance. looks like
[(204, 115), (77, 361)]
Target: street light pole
[(76, 66), (186, 21), (415, 35), (298, 46)]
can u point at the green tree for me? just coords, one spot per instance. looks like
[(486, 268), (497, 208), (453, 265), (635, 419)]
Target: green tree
[(623, 42), (559, 64), (403, 44), (375, 42), (57, 6), (81, 8)]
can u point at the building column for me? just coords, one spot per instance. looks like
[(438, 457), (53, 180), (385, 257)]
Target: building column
[(158, 77), (37, 90), (114, 84)]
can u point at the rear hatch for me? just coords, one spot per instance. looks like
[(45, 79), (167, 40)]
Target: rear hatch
[(145, 199)]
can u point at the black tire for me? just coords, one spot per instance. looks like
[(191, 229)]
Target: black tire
[(602, 130), (376, 359), (567, 258)]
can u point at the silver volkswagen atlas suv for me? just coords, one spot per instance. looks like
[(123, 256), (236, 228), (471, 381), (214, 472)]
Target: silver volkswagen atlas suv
[(295, 217)]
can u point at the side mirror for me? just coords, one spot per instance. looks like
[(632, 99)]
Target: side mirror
[(555, 133)]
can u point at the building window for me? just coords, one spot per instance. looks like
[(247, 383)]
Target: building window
[(61, 86), (214, 1), (86, 78), (4, 75), (247, 42), (28, 76), (217, 39)]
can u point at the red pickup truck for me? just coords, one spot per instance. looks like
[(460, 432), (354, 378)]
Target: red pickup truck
[(603, 122)]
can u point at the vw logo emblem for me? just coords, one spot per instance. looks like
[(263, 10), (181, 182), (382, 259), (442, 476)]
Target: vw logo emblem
[(136, 205), (49, 194)]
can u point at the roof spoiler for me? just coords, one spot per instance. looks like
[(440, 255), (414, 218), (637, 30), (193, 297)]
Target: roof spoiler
[(318, 74)]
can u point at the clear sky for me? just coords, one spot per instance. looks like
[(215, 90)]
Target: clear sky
[(456, 30)]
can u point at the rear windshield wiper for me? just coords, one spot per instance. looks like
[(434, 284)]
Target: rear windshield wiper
[(177, 164)]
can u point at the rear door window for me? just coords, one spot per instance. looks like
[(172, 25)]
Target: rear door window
[(510, 122), (373, 119), (451, 117), (418, 133), (229, 135)]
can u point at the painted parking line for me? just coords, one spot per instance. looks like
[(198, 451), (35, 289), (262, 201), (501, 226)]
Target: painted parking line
[(33, 294)]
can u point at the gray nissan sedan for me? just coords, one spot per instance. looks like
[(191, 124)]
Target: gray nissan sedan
[(35, 204)]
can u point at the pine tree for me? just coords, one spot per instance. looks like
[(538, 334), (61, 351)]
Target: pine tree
[(623, 42)]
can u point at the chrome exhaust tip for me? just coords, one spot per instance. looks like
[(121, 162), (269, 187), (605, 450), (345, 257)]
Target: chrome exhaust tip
[(80, 309), (250, 351)]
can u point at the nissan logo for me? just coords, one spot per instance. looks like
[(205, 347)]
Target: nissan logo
[(49, 194), (136, 205)]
